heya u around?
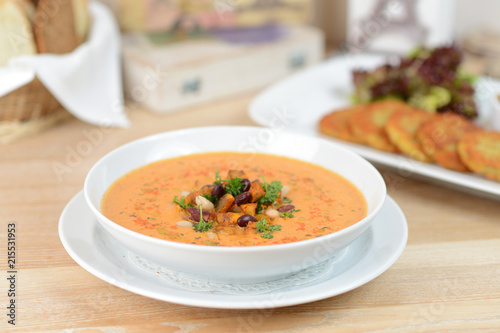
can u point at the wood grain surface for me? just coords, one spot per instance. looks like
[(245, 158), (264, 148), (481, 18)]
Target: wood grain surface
[(447, 280)]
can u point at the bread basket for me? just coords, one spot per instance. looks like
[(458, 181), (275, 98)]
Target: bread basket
[(31, 107), (28, 110)]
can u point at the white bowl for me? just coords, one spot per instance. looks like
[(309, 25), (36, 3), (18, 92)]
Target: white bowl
[(241, 264)]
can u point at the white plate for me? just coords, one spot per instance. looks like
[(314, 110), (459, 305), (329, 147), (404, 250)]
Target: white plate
[(93, 249), (300, 101)]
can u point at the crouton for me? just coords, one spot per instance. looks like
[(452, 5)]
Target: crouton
[(225, 203), (249, 208), (231, 174), (257, 192), (228, 219), (235, 209)]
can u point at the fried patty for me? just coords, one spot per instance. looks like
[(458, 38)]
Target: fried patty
[(439, 137), (336, 124), (480, 152), (401, 129), (369, 124)]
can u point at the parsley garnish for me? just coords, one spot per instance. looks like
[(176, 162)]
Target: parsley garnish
[(182, 203), (211, 198), (289, 214), (286, 201), (202, 226), (235, 186), (218, 179), (272, 192), (267, 229), (261, 225), (259, 207)]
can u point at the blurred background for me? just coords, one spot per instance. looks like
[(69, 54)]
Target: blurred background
[(165, 55), (292, 33)]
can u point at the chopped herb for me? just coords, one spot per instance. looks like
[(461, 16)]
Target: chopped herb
[(261, 225), (267, 229), (258, 208), (235, 186), (272, 192), (182, 203), (151, 218), (213, 199), (218, 179), (272, 227), (289, 214), (202, 226), (286, 201)]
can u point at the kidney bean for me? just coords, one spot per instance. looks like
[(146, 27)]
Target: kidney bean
[(218, 190), (242, 198), (245, 219), (246, 184), (286, 208), (195, 214)]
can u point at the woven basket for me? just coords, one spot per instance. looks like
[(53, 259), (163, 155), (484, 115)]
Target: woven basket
[(28, 110), (29, 102)]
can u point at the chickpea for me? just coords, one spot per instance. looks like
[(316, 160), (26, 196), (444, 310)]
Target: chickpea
[(185, 224), (284, 190), (204, 202), (272, 213)]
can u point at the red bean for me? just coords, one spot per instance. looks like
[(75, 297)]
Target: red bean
[(242, 198), (245, 219), (218, 190), (286, 208), (246, 184), (195, 214)]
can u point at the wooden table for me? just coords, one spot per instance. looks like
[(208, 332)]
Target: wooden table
[(448, 278)]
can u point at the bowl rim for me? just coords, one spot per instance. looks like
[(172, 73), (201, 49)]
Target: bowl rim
[(221, 249)]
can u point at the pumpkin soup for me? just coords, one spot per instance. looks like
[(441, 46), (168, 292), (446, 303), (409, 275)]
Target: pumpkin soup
[(233, 199)]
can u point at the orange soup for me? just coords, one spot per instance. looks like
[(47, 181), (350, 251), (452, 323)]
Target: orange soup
[(281, 200)]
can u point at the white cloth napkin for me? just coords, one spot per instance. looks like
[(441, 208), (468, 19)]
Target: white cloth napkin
[(87, 81)]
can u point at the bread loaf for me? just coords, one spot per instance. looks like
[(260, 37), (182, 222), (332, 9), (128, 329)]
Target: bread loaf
[(29, 9), (82, 19), (54, 27), (16, 36)]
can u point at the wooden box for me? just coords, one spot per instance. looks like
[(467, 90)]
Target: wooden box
[(173, 76)]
